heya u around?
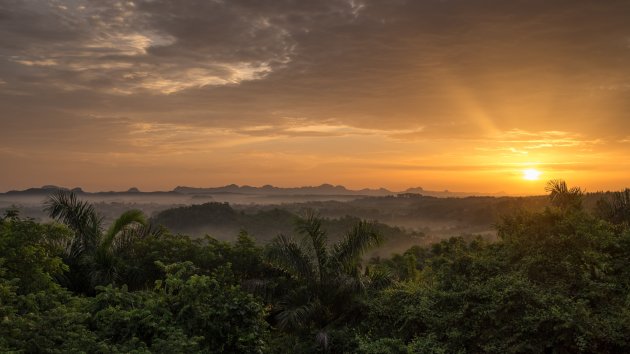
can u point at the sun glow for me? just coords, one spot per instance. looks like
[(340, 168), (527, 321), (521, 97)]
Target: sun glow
[(531, 174)]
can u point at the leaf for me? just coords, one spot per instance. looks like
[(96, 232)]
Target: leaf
[(286, 255)]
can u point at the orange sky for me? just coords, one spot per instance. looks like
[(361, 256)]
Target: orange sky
[(458, 95)]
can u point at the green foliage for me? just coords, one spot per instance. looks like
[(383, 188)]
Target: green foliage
[(36, 314), (46, 322), (217, 309), (206, 254), (401, 267), (93, 256), (133, 320), (29, 252), (80, 217), (555, 281), (184, 313), (324, 280), (223, 222), (194, 216), (616, 207), (563, 197), (382, 346)]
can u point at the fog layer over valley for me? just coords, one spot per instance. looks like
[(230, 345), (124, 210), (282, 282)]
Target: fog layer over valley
[(405, 218)]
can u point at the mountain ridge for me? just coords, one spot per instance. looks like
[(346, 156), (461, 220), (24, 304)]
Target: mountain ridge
[(322, 190)]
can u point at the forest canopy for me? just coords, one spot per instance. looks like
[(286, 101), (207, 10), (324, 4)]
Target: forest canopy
[(556, 280)]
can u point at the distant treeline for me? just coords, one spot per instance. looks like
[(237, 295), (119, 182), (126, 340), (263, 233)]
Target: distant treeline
[(406, 220), (222, 221)]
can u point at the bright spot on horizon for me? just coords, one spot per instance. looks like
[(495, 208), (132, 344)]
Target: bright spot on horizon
[(531, 174)]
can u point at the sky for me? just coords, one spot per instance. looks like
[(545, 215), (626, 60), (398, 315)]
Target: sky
[(461, 95)]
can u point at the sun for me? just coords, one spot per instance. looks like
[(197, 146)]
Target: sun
[(531, 174)]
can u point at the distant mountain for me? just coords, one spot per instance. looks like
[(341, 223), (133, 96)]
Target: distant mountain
[(266, 190), (324, 189), (47, 189)]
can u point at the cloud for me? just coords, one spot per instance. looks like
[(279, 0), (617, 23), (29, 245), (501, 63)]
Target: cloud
[(301, 127), (564, 166), (432, 82), (528, 140), (167, 138), (126, 47)]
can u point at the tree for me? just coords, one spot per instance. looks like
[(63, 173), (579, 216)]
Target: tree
[(184, 313), (325, 278), (615, 209), (36, 314), (555, 281), (188, 310), (92, 253), (563, 197)]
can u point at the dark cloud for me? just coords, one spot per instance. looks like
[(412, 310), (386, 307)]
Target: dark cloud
[(407, 55)]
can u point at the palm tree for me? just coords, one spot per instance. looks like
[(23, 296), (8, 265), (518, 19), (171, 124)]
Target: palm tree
[(617, 208), (327, 278), (80, 217), (120, 234), (563, 197), (92, 253)]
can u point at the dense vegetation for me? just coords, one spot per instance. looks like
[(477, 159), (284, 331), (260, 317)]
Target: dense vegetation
[(556, 280), (223, 222), (412, 210)]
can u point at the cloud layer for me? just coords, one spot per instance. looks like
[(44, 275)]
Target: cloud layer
[(362, 92)]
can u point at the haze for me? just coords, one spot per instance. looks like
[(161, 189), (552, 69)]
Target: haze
[(460, 95)]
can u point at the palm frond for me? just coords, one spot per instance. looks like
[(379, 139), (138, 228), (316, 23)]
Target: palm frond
[(556, 186), (284, 254), (130, 217), (104, 268), (347, 284), (362, 237), (621, 200), (311, 227), (132, 233), (616, 208), (562, 196), (64, 206), (79, 216), (263, 288), (296, 310), (380, 278)]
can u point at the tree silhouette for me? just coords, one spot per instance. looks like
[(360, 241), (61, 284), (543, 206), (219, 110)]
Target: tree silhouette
[(563, 197), (616, 209), (92, 253), (327, 278)]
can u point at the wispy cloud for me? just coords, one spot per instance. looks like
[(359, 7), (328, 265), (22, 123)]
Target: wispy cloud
[(522, 142), (181, 138), (122, 50), (300, 89)]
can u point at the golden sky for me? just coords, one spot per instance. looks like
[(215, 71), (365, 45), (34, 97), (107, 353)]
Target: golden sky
[(461, 95)]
